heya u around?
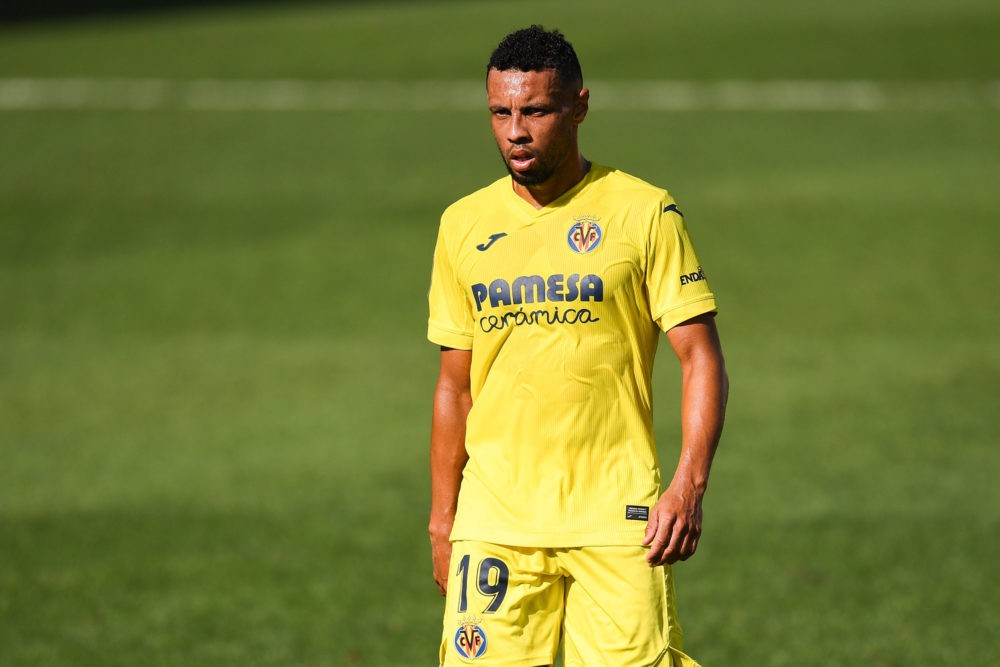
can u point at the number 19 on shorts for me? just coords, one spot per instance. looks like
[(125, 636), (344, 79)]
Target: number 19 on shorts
[(491, 581)]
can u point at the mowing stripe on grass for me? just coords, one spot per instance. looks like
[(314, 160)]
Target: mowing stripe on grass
[(661, 95)]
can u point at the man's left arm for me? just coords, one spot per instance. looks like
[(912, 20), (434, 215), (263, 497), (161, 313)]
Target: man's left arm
[(675, 522)]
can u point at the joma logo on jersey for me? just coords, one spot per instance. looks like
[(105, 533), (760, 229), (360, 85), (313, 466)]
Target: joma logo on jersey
[(697, 276), (585, 235), (536, 289)]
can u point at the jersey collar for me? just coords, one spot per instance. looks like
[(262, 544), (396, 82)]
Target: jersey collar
[(525, 209)]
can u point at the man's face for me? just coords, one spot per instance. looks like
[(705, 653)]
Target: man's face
[(534, 119)]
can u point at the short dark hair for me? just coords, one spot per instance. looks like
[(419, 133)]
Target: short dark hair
[(536, 49)]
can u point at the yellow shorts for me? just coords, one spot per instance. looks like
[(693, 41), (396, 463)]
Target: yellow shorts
[(512, 606)]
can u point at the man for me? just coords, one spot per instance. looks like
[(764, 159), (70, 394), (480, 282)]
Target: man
[(548, 292)]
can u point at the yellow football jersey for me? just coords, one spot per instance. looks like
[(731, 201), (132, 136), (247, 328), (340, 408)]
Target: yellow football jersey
[(562, 308)]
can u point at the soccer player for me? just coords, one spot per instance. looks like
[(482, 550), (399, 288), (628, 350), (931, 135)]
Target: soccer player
[(548, 293)]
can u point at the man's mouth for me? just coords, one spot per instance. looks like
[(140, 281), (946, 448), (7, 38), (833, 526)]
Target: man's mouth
[(521, 160)]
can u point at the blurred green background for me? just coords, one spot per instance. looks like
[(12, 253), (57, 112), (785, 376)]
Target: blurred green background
[(215, 388)]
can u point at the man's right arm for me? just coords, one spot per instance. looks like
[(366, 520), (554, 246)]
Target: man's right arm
[(452, 402)]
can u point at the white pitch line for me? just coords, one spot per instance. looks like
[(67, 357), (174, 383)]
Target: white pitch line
[(344, 95)]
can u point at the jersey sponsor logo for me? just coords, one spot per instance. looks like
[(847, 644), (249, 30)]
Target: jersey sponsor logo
[(695, 277), (535, 289), (585, 234), (483, 247), (557, 288), (673, 207), (470, 641)]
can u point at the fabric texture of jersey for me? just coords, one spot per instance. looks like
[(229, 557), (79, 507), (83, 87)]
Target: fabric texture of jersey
[(562, 308)]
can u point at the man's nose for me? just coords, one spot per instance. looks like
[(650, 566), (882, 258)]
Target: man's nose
[(517, 131)]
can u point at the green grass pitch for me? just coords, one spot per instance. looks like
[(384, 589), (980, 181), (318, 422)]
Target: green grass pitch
[(215, 388)]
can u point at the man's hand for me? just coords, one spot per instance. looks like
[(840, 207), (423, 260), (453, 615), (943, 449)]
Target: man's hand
[(441, 557), (674, 526)]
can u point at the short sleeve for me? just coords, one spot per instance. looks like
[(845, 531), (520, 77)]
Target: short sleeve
[(675, 281), (450, 321)]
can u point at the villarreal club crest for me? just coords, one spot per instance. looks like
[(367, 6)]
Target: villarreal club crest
[(585, 234), (470, 641)]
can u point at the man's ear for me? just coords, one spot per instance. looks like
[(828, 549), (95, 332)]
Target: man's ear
[(581, 105)]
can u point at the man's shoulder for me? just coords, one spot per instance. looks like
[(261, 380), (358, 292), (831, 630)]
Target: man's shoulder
[(475, 202), (617, 182)]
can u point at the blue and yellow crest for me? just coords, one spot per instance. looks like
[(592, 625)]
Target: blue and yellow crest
[(585, 234), (470, 641)]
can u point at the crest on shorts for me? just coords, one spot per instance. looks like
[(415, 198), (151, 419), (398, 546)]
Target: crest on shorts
[(470, 640), (585, 234)]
